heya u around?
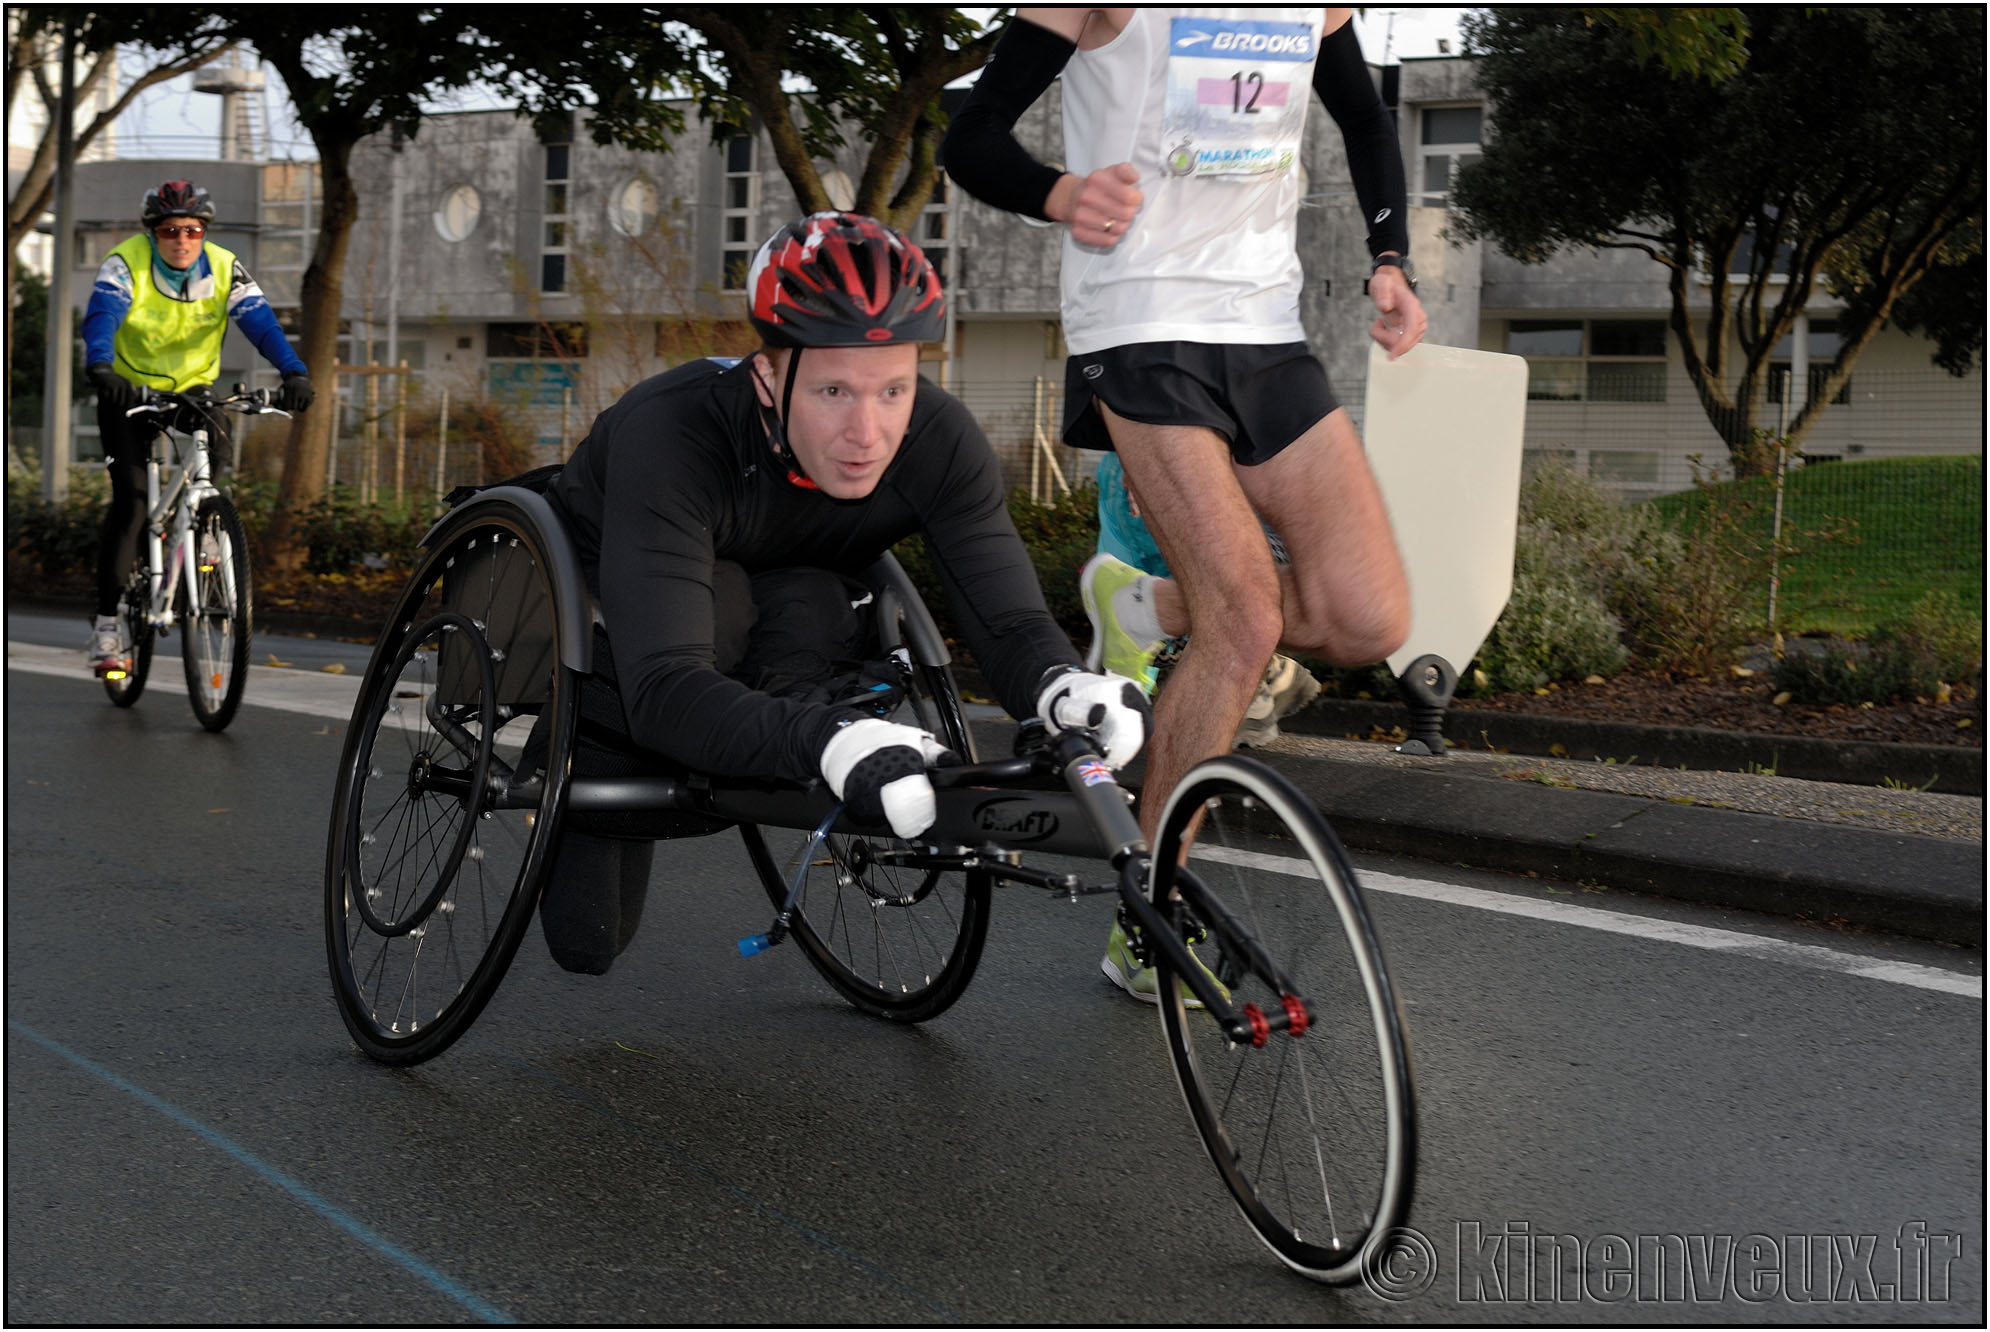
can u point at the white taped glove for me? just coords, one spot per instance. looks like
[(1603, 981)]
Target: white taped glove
[(1110, 706), (878, 769)]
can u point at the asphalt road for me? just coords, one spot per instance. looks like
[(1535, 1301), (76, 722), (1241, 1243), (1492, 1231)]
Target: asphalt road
[(1779, 1123)]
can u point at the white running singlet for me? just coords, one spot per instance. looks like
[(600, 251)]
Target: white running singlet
[(1208, 105)]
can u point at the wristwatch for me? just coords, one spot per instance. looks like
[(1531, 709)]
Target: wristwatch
[(1397, 261)]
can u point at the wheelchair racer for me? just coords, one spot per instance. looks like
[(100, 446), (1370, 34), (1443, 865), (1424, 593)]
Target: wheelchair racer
[(723, 512)]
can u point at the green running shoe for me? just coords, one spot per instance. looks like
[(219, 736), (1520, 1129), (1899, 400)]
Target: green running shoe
[(1113, 648), (1126, 971)]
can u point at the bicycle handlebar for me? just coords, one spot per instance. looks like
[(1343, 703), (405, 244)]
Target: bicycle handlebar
[(244, 400)]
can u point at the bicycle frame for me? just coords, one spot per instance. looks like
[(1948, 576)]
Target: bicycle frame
[(178, 500)]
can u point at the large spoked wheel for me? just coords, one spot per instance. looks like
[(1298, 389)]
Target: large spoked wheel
[(124, 689), (451, 789), (897, 939), (214, 614), (1313, 1134)]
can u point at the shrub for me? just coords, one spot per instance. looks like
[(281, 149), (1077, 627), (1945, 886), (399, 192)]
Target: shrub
[(1555, 625), (1706, 605), (1060, 536), (1579, 556), (341, 535), (1909, 657), (59, 538)]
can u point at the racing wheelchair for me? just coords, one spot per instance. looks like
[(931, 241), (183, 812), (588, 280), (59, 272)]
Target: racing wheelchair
[(458, 777)]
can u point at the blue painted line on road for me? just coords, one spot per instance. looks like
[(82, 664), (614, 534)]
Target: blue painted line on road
[(372, 1239), (764, 1208)]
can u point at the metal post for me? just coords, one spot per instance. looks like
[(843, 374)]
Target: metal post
[(369, 491), (441, 442), (1776, 524), (337, 406), (57, 409), (394, 255), (400, 434)]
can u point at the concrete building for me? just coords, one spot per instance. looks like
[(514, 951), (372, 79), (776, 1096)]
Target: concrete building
[(503, 258)]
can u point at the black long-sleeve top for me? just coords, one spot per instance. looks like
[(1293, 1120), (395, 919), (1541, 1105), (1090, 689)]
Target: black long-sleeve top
[(679, 474)]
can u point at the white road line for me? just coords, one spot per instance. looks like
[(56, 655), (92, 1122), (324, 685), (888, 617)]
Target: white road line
[(1665, 931), (314, 693)]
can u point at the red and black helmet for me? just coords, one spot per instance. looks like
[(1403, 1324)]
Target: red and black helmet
[(176, 198), (844, 280)]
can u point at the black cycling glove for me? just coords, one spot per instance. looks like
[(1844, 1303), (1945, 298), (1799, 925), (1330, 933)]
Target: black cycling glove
[(113, 389), (296, 393)]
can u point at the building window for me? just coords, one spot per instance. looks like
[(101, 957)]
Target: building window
[(739, 196), (1591, 360), (554, 220), (547, 340), (456, 216), (535, 364), (289, 225), (1448, 139), (1823, 351), (935, 231)]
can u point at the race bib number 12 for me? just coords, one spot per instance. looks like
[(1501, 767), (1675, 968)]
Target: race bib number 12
[(1236, 98)]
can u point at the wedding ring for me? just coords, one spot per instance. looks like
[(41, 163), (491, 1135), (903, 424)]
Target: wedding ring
[(1106, 226)]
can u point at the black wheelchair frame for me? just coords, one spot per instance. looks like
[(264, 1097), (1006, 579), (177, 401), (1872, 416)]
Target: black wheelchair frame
[(445, 818)]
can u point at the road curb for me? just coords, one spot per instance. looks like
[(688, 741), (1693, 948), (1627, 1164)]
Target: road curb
[(1952, 769), (1921, 887)]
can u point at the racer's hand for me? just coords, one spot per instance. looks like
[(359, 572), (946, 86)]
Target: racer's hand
[(878, 768), (1111, 706), (1400, 321), (113, 389), (296, 393), (1097, 208)]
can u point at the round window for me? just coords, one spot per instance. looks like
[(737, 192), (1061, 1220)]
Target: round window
[(632, 211), (456, 217)]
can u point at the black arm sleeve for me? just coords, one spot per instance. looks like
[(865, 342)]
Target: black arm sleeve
[(1374, 158), (985, 568), (981, 152)]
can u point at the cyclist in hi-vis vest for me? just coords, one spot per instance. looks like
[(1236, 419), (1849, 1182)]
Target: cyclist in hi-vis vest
[(161, 303)]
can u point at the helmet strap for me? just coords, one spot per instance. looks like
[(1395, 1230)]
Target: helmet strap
[(777, 423)]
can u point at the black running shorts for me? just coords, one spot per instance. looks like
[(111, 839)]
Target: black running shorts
[(1259, 398)]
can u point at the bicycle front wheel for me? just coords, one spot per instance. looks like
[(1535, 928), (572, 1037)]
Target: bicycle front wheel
[(214, 613), (125, 688), (1313, 1133)]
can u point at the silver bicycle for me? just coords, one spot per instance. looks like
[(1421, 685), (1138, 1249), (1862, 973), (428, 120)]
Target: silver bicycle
[(193, 566)]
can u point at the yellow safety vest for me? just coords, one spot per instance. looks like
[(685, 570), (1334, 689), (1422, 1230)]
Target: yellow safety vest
[(166, 343)]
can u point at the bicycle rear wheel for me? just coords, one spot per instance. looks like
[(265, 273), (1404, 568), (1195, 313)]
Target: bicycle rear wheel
[(125, 689), (441, 825), (214, 613), (897, 940), (1314, 1134)]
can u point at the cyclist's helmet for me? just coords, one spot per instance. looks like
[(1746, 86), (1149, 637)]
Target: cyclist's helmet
[(844, 280), (176, 198)]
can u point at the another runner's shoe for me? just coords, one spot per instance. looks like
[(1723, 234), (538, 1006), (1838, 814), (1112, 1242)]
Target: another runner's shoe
[(1103, 582), (1126, 971), (1287, 687), (108, 651)]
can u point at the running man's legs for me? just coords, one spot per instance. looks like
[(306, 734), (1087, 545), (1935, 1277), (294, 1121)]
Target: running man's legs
[(1344, 597)]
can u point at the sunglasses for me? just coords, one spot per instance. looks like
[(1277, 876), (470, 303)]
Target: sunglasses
[(191, 233)]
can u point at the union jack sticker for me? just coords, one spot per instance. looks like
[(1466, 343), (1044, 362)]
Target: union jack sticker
[(1093, 772)]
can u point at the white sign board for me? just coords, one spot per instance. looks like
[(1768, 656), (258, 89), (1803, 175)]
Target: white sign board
[(1443, 433)]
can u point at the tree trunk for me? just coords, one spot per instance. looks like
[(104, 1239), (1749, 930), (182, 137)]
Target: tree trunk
[(310, 441)]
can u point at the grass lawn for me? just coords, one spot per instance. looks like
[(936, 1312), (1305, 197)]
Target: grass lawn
[(1873, 538)]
